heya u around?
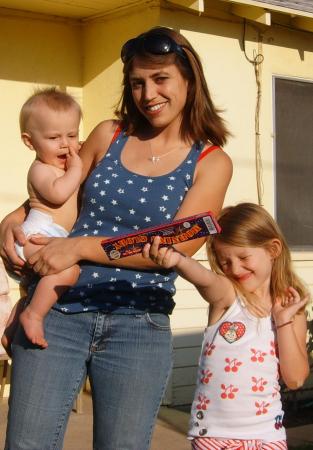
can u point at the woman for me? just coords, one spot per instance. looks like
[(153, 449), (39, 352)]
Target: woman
[(159, 162)]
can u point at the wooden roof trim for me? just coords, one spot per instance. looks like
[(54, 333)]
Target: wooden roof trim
[(271, 7)]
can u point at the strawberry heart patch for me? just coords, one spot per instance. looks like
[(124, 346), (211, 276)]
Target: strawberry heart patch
[(232, 331)]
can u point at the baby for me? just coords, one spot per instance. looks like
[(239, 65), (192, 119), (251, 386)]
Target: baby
[(49, 123)]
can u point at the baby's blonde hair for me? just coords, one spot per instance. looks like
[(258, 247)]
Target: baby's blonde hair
[(52, 97), (250, 225)]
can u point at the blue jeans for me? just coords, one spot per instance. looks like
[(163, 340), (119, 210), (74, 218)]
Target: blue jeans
[(128, 358)]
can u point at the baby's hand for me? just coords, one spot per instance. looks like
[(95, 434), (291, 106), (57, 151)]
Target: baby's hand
[(286, 308), (73, 160), (166, 257)]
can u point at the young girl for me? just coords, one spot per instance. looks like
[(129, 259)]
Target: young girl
[(255, 335)]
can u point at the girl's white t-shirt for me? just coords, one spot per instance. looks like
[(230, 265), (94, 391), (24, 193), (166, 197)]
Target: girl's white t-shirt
[(238, 393)]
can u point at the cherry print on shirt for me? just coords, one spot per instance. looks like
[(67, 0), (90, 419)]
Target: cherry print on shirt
[(228, 392), (232, 331), (208, 349), (276, 391), (274, 349), (203, 402), (261, 408), (257, 355), (232, 365), (278, 422), (258, 384), (206, 375)]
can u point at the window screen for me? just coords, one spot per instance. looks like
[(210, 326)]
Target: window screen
[(294, 161)]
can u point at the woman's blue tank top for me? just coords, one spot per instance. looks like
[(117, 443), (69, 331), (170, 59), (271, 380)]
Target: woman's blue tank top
[(116, 201)]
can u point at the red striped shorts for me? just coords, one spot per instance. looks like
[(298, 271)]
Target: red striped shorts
[(236, 444)]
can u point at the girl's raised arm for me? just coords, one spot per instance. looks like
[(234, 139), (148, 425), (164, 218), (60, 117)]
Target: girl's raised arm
[(213, 288), (291, 329)]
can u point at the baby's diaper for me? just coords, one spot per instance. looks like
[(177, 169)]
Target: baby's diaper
[(38, 222)]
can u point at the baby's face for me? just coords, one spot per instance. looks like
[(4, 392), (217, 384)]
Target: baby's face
[(53, 133)]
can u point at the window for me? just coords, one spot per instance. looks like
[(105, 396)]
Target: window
[(294, 160)]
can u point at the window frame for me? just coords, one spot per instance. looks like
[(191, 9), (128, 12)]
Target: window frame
[(299, 253)]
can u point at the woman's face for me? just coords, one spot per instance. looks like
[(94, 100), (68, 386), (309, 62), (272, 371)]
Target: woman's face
[(159, 92)]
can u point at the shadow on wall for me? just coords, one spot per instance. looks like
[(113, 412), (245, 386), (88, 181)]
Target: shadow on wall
[(40, 51), (65, 52)]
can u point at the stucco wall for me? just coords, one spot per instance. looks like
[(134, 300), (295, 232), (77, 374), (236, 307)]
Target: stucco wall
[(102, 70), (34, 52)]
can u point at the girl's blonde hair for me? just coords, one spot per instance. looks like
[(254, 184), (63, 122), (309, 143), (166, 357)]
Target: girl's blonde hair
[(250, 225)]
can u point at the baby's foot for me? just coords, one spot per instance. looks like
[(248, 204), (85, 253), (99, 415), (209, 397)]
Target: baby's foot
[(32, 323)]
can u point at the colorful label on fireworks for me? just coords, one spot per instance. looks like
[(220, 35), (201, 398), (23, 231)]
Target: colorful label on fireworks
[(181, 230)]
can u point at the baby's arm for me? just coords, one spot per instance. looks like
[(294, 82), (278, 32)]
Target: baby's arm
[(291, 337), (213, 287), (54, 189)]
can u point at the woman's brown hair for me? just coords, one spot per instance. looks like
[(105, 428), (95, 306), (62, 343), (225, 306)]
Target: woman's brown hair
[(201, 120)]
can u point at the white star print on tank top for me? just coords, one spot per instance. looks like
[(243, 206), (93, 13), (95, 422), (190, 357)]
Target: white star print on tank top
[(117, 201)]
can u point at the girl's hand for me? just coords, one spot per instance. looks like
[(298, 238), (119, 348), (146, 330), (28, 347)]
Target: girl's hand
[(10, 233), (286, 308), (57, 254), (166, 257)]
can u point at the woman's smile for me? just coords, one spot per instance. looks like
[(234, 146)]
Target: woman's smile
[(156, 108)]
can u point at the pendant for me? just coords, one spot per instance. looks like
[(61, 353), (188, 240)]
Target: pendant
[(154, 159)]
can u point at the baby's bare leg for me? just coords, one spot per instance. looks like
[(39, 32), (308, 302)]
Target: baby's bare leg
[(48, 291)]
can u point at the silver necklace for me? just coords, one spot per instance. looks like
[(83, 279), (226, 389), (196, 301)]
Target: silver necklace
[(156, 158)]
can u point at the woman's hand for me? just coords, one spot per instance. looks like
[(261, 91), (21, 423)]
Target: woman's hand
[(11, 232), (57, 254), (286, 308), (166, 257)]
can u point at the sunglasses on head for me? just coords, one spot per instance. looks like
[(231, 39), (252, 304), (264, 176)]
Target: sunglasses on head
[(156, 44)]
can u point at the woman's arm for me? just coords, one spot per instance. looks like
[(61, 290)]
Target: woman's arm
[(212, 178), (96, 145), (291, 337)]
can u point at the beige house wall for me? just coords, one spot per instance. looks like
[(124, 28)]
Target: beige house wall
[(102, 69), (34, 51), (84, 58)]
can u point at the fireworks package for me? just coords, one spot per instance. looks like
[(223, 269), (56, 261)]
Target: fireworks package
[(172, 233)]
